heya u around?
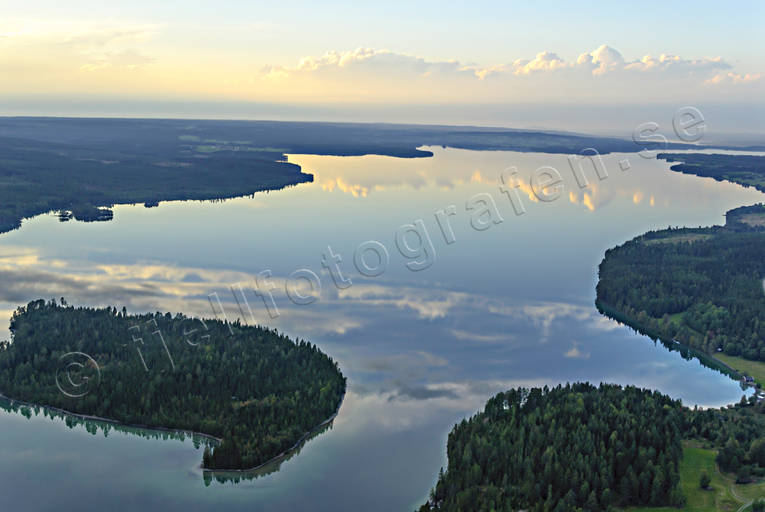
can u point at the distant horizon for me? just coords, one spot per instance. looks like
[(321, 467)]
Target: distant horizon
[(742, 124)]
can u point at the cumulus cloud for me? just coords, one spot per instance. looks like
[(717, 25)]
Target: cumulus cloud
[(544, 61), (386, 72), (363, 59), (668, 62), (601, 60), (733, 78)]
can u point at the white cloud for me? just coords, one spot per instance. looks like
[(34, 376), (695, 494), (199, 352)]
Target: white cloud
[(601, 60), (731, 78), (677, 64), (370, 58), (368, 74), (544, 61)]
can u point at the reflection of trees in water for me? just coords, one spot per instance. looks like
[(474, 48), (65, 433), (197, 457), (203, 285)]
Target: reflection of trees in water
[(266, 469), (686, 352), (94, 426)]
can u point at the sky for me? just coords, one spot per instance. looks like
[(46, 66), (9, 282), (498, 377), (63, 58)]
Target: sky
[(497, 62)]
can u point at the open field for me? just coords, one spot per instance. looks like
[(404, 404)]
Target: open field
[(754, 219), (723, 493), (755, 369), (676, 239)]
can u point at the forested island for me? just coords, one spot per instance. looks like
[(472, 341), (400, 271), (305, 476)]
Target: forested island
[(702, 287), (747, 170), (255, 390), (581, 447), (80, 168)]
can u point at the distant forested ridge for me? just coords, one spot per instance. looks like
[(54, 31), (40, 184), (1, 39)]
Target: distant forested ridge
[(747, 170), (84, 180), (703, 287), (82, 167), (581, 448), (253, 388)]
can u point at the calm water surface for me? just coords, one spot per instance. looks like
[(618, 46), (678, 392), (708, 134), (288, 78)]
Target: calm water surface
[(508, 305)]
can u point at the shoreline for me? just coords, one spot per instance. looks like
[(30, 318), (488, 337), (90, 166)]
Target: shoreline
[(613, 313), (283, 454), (113, 422), (192, 433)]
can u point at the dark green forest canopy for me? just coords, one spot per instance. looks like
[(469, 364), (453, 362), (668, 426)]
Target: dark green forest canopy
[(569, 447), (578, 447), (747, 170), (82, 167), (703, 287), (255, 389)]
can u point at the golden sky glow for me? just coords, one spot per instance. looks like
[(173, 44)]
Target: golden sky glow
[(106, 57)]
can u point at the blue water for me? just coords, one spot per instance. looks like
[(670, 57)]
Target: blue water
[(501, 300)]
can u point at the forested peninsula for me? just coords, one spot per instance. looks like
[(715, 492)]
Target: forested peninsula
[(254, 389), (584, 448), (702, 287), (747, 170)]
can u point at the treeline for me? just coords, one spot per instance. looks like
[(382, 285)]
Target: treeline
[(746, 218), (252, 387), (747, 170), (581, 448), (562, 449), (81, 180), (702, 287), (738, 433)]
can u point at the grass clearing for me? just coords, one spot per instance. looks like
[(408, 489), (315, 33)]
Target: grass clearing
[(676, 239), (753, 219), (723, 493), (717, 497), (754, 369)]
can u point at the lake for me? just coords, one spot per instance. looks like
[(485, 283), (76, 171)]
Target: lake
[(426, 321)]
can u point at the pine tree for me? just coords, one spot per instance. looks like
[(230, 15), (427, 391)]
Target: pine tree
[(704, 479)]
